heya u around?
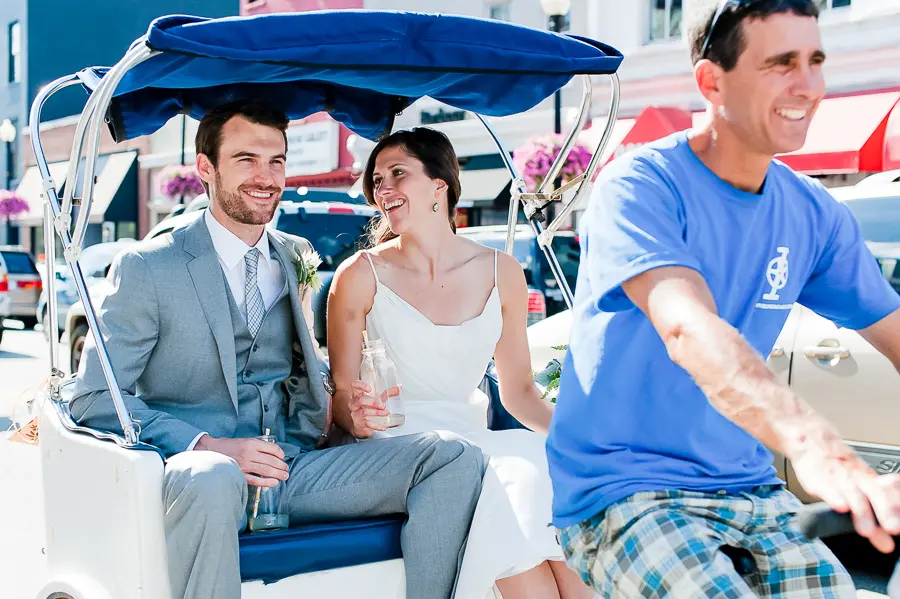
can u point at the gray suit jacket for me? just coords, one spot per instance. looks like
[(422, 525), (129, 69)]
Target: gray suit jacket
[(168, 329)]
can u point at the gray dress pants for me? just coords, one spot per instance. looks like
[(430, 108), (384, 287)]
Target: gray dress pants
[(434, 479)]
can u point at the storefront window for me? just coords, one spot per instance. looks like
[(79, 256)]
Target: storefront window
[(826, 4), (126, 230), (15, 52), (665, 20), (500, 11)]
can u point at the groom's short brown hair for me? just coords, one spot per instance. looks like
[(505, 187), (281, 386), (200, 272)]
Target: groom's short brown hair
[(209, 133)]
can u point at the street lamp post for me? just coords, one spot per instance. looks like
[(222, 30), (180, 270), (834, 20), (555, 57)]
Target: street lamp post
[(556, 11), (8, 136)]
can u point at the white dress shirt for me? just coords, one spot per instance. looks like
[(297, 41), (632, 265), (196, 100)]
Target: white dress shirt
[(231, 250)]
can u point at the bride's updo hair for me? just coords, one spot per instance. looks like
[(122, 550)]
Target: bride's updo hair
[(434, 150)]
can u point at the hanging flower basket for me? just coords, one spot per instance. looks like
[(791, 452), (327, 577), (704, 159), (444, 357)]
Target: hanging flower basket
[(12, 205), (533, 160), (179, 182)]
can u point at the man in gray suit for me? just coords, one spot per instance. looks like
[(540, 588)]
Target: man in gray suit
[(208, 337)]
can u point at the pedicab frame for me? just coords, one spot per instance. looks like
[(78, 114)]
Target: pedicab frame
[(58, 215)]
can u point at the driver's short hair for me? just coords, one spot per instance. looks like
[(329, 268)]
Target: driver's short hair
[(728, 42)]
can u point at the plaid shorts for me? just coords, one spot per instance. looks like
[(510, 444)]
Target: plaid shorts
[(667, 544)]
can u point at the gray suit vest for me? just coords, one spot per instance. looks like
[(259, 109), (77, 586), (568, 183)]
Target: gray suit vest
[(263, 363)]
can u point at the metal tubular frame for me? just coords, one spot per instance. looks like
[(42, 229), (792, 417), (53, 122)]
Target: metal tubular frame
[(91, 122), (108, 85), (535, 202)]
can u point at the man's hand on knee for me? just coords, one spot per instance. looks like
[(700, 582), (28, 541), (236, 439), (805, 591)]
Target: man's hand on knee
[(262, 463)]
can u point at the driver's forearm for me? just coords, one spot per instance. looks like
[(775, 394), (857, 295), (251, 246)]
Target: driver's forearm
[(740, 385)]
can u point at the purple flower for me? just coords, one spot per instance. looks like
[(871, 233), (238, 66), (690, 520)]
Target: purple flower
[(534, 159), (11, 205), (176, 182)]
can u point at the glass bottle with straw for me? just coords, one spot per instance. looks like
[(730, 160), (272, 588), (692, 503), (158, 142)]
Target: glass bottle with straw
[(379, 373), (267, 506)]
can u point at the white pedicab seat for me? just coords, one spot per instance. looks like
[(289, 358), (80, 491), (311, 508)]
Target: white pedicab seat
[(104, 507)]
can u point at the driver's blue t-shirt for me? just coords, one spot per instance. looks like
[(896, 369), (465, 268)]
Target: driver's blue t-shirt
[(628, 419)]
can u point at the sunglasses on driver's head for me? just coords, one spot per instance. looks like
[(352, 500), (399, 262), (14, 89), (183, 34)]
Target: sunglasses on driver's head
[(724, 4)]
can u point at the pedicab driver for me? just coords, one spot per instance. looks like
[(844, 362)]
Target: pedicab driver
[(695, 247)]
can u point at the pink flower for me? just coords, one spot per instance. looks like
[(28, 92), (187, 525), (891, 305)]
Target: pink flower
[(533, 160), (176, 182), (11, 205)]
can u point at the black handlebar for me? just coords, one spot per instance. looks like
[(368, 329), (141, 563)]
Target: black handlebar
[(819, 521)]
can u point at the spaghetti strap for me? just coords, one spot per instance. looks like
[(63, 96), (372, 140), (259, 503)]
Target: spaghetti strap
[(372, 264), (495, 267)]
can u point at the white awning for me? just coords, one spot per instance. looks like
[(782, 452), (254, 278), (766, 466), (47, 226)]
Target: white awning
[(114, 169), (482, 185), (30, 188)]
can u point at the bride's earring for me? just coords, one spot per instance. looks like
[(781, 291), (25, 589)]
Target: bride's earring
[(435, 207)]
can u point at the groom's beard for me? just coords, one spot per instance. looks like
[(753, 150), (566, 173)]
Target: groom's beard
[(239, 210)]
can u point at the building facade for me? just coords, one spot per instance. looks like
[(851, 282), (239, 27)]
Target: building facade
[(43, 40)]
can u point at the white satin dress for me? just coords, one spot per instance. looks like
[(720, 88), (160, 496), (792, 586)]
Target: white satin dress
[(440, 368)]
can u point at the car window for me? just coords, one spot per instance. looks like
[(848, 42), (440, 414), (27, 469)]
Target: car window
[(162, 231), (878, 218), (334, 236), (568, 254), (19, 263), (521, 247), (891, 271)]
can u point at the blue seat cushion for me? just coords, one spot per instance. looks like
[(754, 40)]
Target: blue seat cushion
[(272, 555)]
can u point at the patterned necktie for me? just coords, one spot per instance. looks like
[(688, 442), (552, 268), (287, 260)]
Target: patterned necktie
[(255, 308)]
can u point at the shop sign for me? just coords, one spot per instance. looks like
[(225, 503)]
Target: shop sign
[(312, 148), (433, 117)]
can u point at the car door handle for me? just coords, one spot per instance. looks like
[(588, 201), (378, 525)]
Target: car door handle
[(825, 352), (777, 352)]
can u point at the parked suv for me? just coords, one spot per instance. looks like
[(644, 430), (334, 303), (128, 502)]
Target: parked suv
[(335, 229), (544, 292), (24, 282)]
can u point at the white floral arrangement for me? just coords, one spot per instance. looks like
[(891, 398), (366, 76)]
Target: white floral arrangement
[(306, 263)]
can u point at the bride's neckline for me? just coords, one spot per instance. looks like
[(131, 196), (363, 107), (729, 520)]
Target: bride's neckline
[(379, 285)]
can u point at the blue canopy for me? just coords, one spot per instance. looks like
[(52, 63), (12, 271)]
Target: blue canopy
[(362, 67)]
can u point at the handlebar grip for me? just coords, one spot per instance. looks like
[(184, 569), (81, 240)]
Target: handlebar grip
[(820, 521)]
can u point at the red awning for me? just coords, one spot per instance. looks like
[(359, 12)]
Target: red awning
[(341, 177), (651, 124), (847, 135)]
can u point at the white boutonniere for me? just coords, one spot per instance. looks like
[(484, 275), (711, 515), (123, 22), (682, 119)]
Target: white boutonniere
[(306, 263)]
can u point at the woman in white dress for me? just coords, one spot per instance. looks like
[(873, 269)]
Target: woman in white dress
[(444, 306)]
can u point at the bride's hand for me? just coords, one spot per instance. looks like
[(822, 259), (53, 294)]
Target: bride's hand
[(362, 407)]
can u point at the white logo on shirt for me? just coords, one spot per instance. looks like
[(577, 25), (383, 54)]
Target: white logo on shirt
[(777, 274)]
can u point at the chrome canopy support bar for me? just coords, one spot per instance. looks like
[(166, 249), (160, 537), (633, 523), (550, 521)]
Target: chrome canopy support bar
[(55, 219), (587, 88), (135, 56), (51, 211), (516, 188), (535, 202), (584, 190)]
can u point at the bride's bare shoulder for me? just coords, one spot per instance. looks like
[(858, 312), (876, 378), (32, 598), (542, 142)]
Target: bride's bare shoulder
[(475, 251), (354, 275)]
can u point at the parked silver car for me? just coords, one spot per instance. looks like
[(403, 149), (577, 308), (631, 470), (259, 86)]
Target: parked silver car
[(95, 262), (24, 283), (5, 301)]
